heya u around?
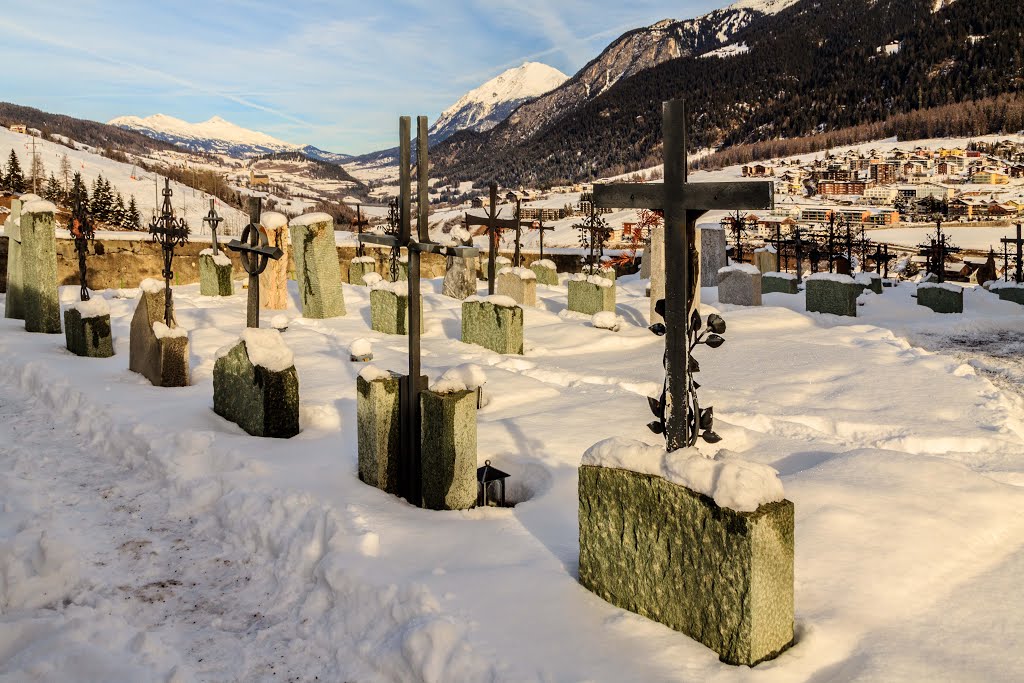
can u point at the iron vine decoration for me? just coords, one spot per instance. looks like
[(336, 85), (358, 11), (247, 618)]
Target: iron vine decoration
[(170, 232), (394, 220), (83, 232)]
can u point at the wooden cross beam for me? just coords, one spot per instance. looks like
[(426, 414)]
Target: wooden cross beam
[(683, 203), (494, 227)]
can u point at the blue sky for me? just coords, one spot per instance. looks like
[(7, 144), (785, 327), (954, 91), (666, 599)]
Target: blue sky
[(332, 74)]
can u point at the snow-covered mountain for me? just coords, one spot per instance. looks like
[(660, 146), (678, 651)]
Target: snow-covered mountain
[(217, 136), (485, 107)]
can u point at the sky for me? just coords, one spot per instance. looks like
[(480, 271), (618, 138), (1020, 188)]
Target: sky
[(332, 74)]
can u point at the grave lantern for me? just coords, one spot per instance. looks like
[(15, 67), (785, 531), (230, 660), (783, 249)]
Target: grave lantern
[(487, 476)]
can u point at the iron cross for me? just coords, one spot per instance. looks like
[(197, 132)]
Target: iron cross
[(214, 221), (82, 231), (683, 203), (1019, 243), (255, 253), (539, 225), (494, 227), (360, 223), (170, 232)]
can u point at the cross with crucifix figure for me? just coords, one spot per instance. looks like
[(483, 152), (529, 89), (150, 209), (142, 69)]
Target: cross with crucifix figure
[(411, 385), (359, 222), (1019, 243), (683, 203), (517, 256), (255, 253), (213, 220), (494, 227)]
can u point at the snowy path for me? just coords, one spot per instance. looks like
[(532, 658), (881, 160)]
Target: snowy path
[(139, 511)]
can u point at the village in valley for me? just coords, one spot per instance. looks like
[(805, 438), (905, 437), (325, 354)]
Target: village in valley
[(661, 369)]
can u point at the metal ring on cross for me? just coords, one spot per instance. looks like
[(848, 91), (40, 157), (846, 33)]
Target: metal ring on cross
[(254, 262)]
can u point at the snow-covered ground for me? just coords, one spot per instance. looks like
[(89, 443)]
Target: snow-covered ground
[(965, 237), (144, 538)]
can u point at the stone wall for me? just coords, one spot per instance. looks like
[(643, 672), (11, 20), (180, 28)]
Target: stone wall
[(121, 264)]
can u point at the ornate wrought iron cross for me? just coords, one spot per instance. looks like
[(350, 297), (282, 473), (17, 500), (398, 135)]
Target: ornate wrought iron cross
[(540, 227), (594, 233), (83, 232), (739, 225), (494, 227), (170, 232), (410, 386), (214, 220), (1019, 243), (882, 257), (683, 204), (255, 253), (937, 251)]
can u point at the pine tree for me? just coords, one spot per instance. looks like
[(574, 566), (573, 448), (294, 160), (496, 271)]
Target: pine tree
[(78, 192), (37, 172), (132, 218), (52, 192), (119, 213), (65, 171), (15, 178)]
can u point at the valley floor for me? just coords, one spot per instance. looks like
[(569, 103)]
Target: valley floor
[(143, 538)]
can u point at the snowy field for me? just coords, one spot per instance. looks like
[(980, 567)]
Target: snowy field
[(143, 538), (965, 237)]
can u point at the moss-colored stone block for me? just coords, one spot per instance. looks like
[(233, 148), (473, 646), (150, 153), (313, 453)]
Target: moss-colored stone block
[(519, 284), (591, 295), (215, 275), (377, 415), (941, 297), (359, 268), (835, 295), (40, 298), (493, 326), (448, 450), (1013, 293), (162, 359), (317, 269), (724, 578), (263, 402), (778, 283), (546, 272), (88, 337), (389, 311)]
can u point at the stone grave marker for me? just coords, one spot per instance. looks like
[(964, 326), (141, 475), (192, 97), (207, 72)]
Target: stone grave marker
[(713, 255), (832, 293), (493, 322), (159, 348), (38, 266), (86, 323), (274, 280), (941, 297), (449, 443), (590, 294), (767, 260), (781, 283), (740, 284), (546, 271), (14, 305), (317, 269), (460, 276), (389, 307), (214, 266), (519, 284)]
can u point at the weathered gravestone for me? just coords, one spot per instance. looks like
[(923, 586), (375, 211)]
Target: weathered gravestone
[(766, 260), (15, 302), (494, 322), (781, 283), (546, 272), (389, 307), (87, 329), (832, 293), (460, 276), (740, 284), (519, 284), (38, 266), (449, 446), (871, 282), (703, 546), (377, 412), (941, 297), (256, 386), (214, 266), (274, 280), (359, 268), (158, 351), (1008, 291), (317, 270), (591, 294), (712, 254)]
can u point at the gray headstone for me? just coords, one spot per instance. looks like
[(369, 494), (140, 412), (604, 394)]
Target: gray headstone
[(657, 269), (832, 293), (14, 306), (519, 284), (645, 261), (941, 297), (493, 326), (590, 295), (215, 274), (262, 401), (89, 337), (712, 254), (448, 449), (317, 269), (38, 259), (740, 285), (377, 413), (460, 278), (656, 548), (162, 359)]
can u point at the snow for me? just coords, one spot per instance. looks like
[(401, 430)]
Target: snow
[(162, 331), (215, 128), (400, 288), (732, 482), (273, 220), (727, 51), (949, 287), (747, 268), (371, 280), (863, 278), (371, 373), (220, 258), (28, 198), (831, 277), (909, 545), (267, 349), (1005, 284), (151, 286), (360, 347), (364, 259), (592, 279), (38, 206), (93, 308), (781, 276), (308, 219), (467, 375), (606, 320), (495, 299), (280, 322), (545, 263), (766, 6), (521, 273)]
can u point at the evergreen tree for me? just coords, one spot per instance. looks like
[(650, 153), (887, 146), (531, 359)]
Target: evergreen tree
[(52, 192), (132, 217), (119, 214), (37, 173), (15, 178), (65, 171), (78, 192)]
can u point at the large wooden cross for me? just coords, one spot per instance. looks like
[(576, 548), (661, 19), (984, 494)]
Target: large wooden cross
[(494, 227), (683, 203), (410, 387)]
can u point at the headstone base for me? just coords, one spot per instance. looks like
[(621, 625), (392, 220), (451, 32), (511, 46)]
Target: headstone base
[(448, 449), (590, 295), (493, 325), (215, 274), (262, 401), (88, 337)]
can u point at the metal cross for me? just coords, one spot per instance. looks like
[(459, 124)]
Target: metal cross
[(169, 232), (83, 232), (494, 227), (936, 251), (539, 225), (881, 257), (360, 223), (683, 204), (410, 386), (214, 221), (255, 252), (737, 223), (1019, 243)]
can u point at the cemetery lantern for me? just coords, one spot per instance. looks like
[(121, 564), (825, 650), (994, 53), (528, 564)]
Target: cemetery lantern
[(82, 232), (486, 477), (170, 232)]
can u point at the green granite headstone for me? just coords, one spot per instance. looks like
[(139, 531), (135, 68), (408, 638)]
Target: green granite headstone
[(389, 309), (590, 295), (256, 386), (377, 413), (448, 449), (832, 294), (941, 297), (779, 283), (1009, 291), (87, 329), (493, 323), (359, 267), (215, 274), (14, 305), (546, 272), (156, 351), (38, 258), (317, 269), (519, 284)]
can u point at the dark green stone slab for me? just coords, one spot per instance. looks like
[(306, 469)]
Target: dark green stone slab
[(448, 450), (835, 298), (88, 337), (262, 402), (940, 299)]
